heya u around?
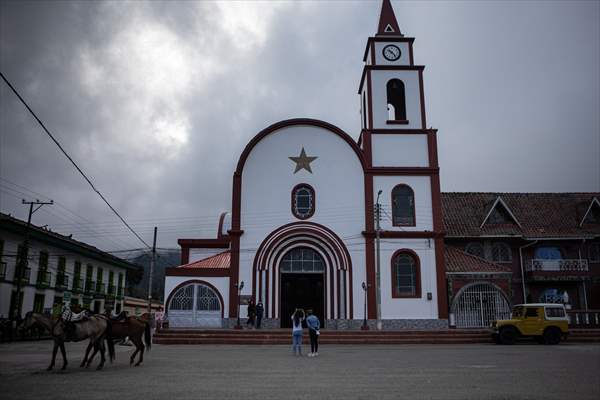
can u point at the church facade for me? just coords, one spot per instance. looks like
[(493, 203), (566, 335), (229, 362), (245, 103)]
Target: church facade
[(359, 232), (308, 204)]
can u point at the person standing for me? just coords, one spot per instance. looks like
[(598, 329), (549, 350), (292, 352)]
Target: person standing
[(251, 313), (260, 309), (297, 319), (314, 330)]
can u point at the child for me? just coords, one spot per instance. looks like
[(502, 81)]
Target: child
[(297, 319)]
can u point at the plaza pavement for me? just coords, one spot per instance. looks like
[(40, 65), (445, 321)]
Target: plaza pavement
[(474, 371)]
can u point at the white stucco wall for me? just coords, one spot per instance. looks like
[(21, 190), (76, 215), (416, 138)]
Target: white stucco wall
[(412, 92), (267, 181), (420, 308), (400, 150), (220, 283), (421, 185)]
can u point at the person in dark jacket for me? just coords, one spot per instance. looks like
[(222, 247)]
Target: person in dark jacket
[(251, 313), (260, 309), (314, 330)]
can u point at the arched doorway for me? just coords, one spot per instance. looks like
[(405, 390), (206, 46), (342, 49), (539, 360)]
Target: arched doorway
[(302, 277), (195, 305), (478, 304)]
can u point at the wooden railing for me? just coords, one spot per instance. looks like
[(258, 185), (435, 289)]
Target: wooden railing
[(584, 318)]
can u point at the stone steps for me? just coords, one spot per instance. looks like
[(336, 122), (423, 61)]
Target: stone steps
[(282, 336)]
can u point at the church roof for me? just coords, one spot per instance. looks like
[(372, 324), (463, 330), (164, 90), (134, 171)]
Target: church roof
[(387, 20), (539, 215), (458, 261), (221, 260)]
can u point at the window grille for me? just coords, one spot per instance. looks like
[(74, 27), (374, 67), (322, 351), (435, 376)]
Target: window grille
[(403, 206), (475, 249), (501, 252), (303, 201), (302, 259), (405, 272)]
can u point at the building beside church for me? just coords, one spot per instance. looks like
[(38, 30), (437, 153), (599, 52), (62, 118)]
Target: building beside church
[(309, 202), (58, 270)]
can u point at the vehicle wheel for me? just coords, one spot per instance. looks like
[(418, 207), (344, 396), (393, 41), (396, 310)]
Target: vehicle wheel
[(508, 335), (552, 336)]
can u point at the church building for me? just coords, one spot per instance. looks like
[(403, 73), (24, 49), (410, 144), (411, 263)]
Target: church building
[(324, 222)]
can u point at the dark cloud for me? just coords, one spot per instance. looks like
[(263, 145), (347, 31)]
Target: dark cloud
[(156, 100)]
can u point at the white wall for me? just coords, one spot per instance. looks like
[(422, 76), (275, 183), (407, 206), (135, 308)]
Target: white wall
[(409, 308), (400, 150), (267, 181), (421, 185), (411, 91), (221, 283)]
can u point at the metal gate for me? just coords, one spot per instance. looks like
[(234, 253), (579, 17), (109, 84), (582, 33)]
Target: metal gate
[(194, 305), (477, 305)]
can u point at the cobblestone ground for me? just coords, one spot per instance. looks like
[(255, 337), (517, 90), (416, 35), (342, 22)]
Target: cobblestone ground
[(567, 371)]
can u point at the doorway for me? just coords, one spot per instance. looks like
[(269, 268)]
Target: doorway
[(301, 291)]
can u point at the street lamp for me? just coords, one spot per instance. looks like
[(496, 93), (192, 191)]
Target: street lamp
[(364, 326), (239, 289)]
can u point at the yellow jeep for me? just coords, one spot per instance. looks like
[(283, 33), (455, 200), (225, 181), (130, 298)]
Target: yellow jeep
[(546, 323)]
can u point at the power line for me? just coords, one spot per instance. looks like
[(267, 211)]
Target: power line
[(70, 159)]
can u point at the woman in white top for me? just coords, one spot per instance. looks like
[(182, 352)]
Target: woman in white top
[(297, 319)]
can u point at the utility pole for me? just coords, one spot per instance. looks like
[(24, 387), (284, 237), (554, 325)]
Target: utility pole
[(23, 257), (151, 272), (377, 261)]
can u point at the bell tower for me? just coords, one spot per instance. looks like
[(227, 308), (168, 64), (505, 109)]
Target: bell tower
[(402, 170)]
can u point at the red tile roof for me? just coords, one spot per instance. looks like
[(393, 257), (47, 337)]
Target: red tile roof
[(221, 260), (540, 214), (459, 261)]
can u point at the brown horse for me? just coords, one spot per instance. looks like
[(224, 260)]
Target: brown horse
[(138, 331), (95, 328)]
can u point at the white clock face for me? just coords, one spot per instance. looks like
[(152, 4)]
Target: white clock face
[(391, 52)]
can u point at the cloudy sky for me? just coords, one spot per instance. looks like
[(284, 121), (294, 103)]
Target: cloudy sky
[(155, 101)]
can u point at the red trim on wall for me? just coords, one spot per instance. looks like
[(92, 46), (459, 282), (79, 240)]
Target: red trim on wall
[(235, 243), (442, 291), (221, 243), (220, 228), (410, 51), (422, 96), (404, 234), (194, 281), (417, 261), (185, 255), (370, 100), (392, 131), (370, 248), (174, 271), (403, 171), (397, 122), (368, 68)]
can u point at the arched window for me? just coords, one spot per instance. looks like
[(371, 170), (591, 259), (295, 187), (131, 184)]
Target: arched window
[(396, 100), (303, 201), (302, 259), (476, 249), (501, 252), (406, 275), (403, 206)]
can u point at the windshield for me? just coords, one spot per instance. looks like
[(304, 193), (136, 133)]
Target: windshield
[(518, 312)]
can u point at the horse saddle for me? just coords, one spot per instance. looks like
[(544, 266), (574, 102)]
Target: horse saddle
[(120, 317)]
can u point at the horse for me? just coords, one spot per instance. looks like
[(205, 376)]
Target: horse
[(96, 328), (134, 328)]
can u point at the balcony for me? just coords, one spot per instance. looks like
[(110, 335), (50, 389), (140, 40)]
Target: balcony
[(90, 286), (43, 279), (25, 277), (565, 270), (2, 271), (62, 281), (100, 288), (573, 265), (77, 285)]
